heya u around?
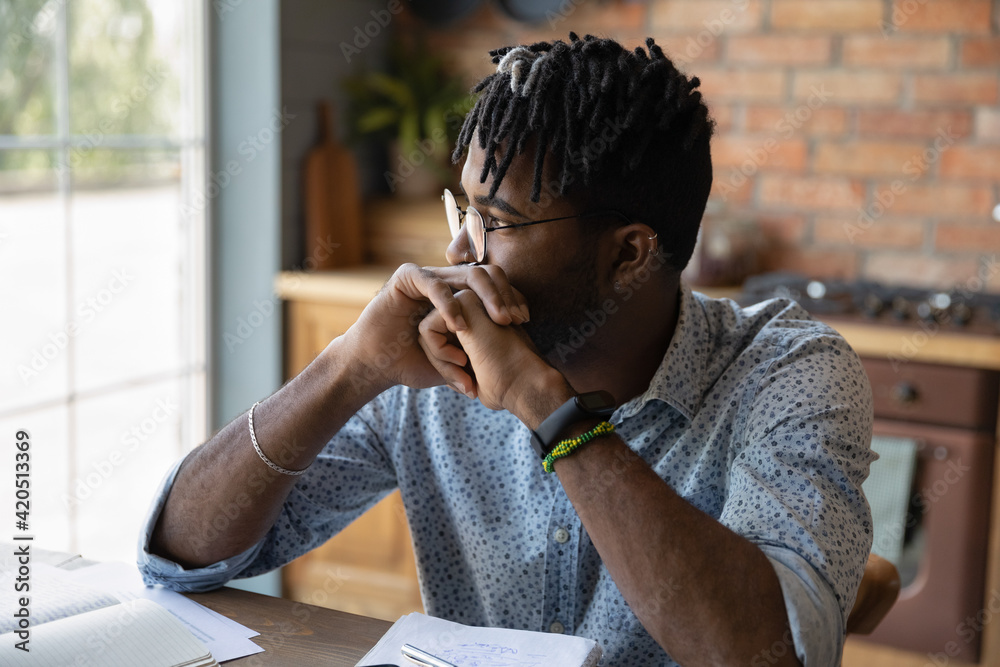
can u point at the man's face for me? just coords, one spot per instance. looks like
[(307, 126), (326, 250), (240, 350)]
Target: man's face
[(554, 264)]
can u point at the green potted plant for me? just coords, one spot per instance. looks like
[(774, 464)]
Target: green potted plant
[(416, 108)]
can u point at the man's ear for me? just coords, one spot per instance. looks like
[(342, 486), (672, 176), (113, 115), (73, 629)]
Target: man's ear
[(638, 254)]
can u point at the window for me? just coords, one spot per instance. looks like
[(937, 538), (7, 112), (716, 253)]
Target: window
[(102, 258)]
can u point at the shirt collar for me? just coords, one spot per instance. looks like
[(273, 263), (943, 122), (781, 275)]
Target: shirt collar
[(682, 378)]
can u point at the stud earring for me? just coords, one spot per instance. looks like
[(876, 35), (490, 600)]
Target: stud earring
[(618, 287)]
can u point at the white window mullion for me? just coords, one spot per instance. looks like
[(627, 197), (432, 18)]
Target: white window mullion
[(64, 180), (194, 312)]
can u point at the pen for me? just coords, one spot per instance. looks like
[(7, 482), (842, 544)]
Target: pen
[(423, 657)]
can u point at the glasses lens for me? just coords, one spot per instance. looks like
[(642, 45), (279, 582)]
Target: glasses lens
[(451, 210), (475, 228)]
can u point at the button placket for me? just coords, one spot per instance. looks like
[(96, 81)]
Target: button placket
[(561, 564)]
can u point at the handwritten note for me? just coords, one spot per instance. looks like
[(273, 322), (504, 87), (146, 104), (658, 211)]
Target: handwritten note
[(468, 646), (479, 654)]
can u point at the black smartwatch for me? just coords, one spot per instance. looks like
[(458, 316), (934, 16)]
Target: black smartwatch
[(592, 405)]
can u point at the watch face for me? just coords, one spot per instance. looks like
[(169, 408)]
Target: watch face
[(596, 400)]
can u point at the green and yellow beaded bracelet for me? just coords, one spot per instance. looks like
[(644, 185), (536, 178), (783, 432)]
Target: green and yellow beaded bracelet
[(570, 445)]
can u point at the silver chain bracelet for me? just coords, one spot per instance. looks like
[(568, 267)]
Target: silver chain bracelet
[(263, 457)]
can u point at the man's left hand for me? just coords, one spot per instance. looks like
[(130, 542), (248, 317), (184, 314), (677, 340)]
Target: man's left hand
[(496, 364)]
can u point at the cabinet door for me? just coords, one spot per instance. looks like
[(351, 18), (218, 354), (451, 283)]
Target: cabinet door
[(369, 567), (309, 329)]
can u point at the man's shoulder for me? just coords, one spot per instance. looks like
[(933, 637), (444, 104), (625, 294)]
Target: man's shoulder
[(774, 322), (768, 334), (720, 346)]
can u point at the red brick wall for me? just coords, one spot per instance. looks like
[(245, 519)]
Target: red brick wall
[(862, 135)]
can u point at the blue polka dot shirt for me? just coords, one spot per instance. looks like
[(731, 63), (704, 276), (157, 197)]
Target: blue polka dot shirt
[(760, 417)]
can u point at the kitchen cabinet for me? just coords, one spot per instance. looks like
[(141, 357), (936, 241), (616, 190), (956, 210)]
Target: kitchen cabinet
[(369, 567)]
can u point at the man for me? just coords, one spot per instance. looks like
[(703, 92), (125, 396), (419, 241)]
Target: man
[(707, 512)]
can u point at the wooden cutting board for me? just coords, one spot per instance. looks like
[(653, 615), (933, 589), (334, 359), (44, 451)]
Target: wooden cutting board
[(332, 200)]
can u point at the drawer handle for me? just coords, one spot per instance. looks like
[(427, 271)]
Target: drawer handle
[(905, 393)]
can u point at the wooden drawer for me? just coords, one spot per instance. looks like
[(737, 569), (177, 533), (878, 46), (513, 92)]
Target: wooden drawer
[(934, 394)]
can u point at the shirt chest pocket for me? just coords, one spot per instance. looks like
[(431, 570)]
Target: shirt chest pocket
[(709, 500)]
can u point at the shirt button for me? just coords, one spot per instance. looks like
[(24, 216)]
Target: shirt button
[(557, 628), (561, 536)]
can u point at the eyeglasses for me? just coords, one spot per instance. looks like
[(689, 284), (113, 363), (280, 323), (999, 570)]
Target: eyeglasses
[(476, 229)]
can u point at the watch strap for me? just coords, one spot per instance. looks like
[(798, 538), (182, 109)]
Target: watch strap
[(601, 405)]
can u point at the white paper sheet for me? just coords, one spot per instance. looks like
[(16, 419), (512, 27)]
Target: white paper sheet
[(467, 646)]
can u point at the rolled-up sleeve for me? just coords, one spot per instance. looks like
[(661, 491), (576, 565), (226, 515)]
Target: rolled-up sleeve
[(158, 570), (795, 485), (350, 475), (815, 633)]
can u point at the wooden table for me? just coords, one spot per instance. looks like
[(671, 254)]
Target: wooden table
[(295, 633)]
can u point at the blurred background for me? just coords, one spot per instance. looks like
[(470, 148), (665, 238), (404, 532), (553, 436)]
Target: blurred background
[(196, 196)]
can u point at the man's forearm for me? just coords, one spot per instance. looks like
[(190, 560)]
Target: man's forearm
[(706, 594), (225, 498)]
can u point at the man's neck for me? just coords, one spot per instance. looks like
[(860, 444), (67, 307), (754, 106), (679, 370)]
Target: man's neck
[(623, 356)]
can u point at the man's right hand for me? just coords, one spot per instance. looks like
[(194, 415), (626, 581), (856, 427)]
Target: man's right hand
[(294, 424), (384, 339)]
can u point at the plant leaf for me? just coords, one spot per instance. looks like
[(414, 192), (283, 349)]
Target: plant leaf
[(434, 123), (377, 119), (409, 132), (393, 88)]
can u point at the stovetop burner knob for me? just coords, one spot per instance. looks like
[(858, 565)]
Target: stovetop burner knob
[(816, 290), (961, 314), (901, 308), (872, 306), (905, 393), (925, 312), (940, 300)]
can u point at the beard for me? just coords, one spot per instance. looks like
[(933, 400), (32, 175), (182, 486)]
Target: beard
[(557, 311)]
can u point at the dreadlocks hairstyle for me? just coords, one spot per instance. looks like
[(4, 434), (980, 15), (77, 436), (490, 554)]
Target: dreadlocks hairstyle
[(624, 130)]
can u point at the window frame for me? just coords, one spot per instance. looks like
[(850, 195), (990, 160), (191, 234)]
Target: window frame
[(191, 145)]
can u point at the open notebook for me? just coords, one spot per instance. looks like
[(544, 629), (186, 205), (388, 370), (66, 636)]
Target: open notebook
[(467, 646), (137, 632)]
